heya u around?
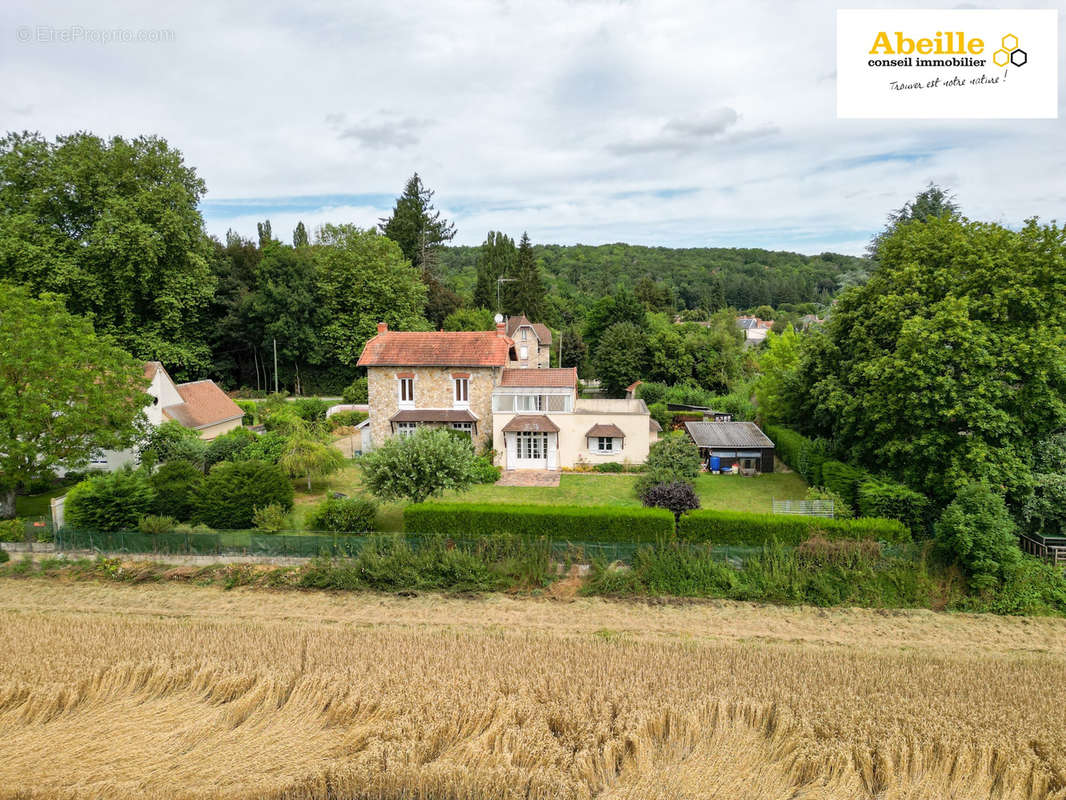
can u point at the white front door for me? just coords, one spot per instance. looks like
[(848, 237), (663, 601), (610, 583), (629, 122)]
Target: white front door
[(530, 450)]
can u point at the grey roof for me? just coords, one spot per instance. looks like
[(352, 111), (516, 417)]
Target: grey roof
[(727, 434)]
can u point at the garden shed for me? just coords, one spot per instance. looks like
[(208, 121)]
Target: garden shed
[(725, 444)]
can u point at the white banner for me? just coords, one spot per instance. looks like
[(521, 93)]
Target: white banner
[(947, 64)]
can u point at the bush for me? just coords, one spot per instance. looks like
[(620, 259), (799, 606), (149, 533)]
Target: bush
[(113, 501), (172, 441), (652, 393), (4, 556), (673, 458), (346, 419), (803, 455), (977, 531), (310, 409), (284, 421), (485, 471), (843, 479), (12, 530), (228, 446), (271, 518), (233, 490), (418, 467), (250, 409), (738, 528), (357, 392), (177, 486), (154, 524), (661, 414), (677, 497), (267, 447), (609, 466), (343, 515), (892, 500), (569, 523), (841, 509)]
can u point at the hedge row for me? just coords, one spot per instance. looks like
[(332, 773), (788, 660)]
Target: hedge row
[(570, 523), (803, 455), (738, 528)]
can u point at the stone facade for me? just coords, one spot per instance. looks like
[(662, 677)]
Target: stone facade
[(537, 355), (434, 389)]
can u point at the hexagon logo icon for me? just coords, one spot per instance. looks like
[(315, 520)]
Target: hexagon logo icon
[(1001, 58), (1019, 57), (1010, 42)]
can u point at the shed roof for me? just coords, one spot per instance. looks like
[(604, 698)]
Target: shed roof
[(548, 377), (727, 434), (530, 423), (436, 349)]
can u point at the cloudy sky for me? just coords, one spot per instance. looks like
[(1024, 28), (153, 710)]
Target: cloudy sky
[(655, 122)]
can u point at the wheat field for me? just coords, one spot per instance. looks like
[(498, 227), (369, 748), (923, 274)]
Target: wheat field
[(176, 691)]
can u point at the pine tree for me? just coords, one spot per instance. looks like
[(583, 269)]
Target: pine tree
[(299, 236), (416, 226), (495, 260), (526, 293)]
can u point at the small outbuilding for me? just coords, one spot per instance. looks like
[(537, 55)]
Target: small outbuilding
[(724, 445)]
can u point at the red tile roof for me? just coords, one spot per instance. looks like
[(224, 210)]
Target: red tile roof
[(535, 423), (566, 376), (205, 404), (437, 349), (543, 334)]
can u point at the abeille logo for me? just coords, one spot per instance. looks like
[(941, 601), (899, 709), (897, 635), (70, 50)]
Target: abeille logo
[(1010, 53)]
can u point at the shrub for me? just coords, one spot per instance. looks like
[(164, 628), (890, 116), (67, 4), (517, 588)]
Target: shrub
[(737, 528), (843, 552), (841, 509), (305, 456), (609, 466), (652, 393), (343, 515), (804, 455), (228, 446), (569, 523), (485, 471), (154, 524), (310, 409), (285, 421), (892, 500), (977, 531), (267, 447), (661, 414), (172, 441), (271, 517), (177, 486), (233, 490), (673, 458), (113, 501), (843, 479), (250, 409), (4, 556), (12, 530), (677, 497), (346, 419), (357, 392), (418, 467)]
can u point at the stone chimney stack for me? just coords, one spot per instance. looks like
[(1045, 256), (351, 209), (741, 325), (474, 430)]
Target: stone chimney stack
[(383, 327), (501, 329)]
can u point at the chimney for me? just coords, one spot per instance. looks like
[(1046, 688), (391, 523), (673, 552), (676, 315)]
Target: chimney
[(383, 327), (501, 329)]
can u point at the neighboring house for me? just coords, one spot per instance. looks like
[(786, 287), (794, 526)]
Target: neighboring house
[(733, 443), (755, 329), (532, 417), (532, 343), (539, 422), (439, 379), (200, 405)]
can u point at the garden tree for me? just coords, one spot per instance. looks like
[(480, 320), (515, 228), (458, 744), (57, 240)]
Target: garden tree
[(228, 446), (113, 226), (299, 236), (363, 279), (177, 486), (669, 361), (653, 295), (574, 351), (932, 202), (779, 362), (621, 357), (950, 363), (266, 236), (233, 338), (620, 305), (357, 392), (470, 319), (763, 312), (1044, 510), (977, 531), (677, 496), (715, 351), (306, 455), (672, 459), (233, 490), (418, 467), (440, 301), (525, 294), (111, 501), (65, 393), (495, 259), (171, 441), (416, 226)]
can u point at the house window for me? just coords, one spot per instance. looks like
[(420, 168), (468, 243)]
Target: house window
[(606, 444), (462, 391), (525, 332), (523, 352), (530, 445), (406, 428), (467, 427), (503, 402), (529, 402), (407, 391)]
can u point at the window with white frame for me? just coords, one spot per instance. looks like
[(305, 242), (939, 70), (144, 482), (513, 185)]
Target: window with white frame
[(468, 427), (525, 333), (529, 402), (406, 389), (462, 391), (606, 444), (523, 352), (406, 428)]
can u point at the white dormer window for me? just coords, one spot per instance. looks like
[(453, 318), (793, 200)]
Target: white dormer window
[(406, 391)]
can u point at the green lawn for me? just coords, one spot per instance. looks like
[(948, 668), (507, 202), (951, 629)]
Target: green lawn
[(37, 505), (725, 492)]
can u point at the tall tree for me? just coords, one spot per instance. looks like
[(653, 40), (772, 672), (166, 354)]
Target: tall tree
[(933, 201), (114, 227), (525, 294), (618, 306), (495, 259), (266, 236), (299, 236), (65, 393), (416, 226), (621, 357), (575, 352)]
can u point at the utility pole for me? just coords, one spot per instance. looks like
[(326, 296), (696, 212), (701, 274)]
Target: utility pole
[(275, 366)]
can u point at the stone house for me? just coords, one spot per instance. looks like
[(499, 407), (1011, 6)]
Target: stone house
[(532, 343)]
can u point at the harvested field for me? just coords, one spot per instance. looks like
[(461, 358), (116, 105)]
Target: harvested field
[(178, 691)]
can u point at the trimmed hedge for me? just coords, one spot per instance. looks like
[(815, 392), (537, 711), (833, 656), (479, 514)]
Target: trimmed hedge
[(844, 479), (892, 500), (804, 455), (562, 523), (738, 528)]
